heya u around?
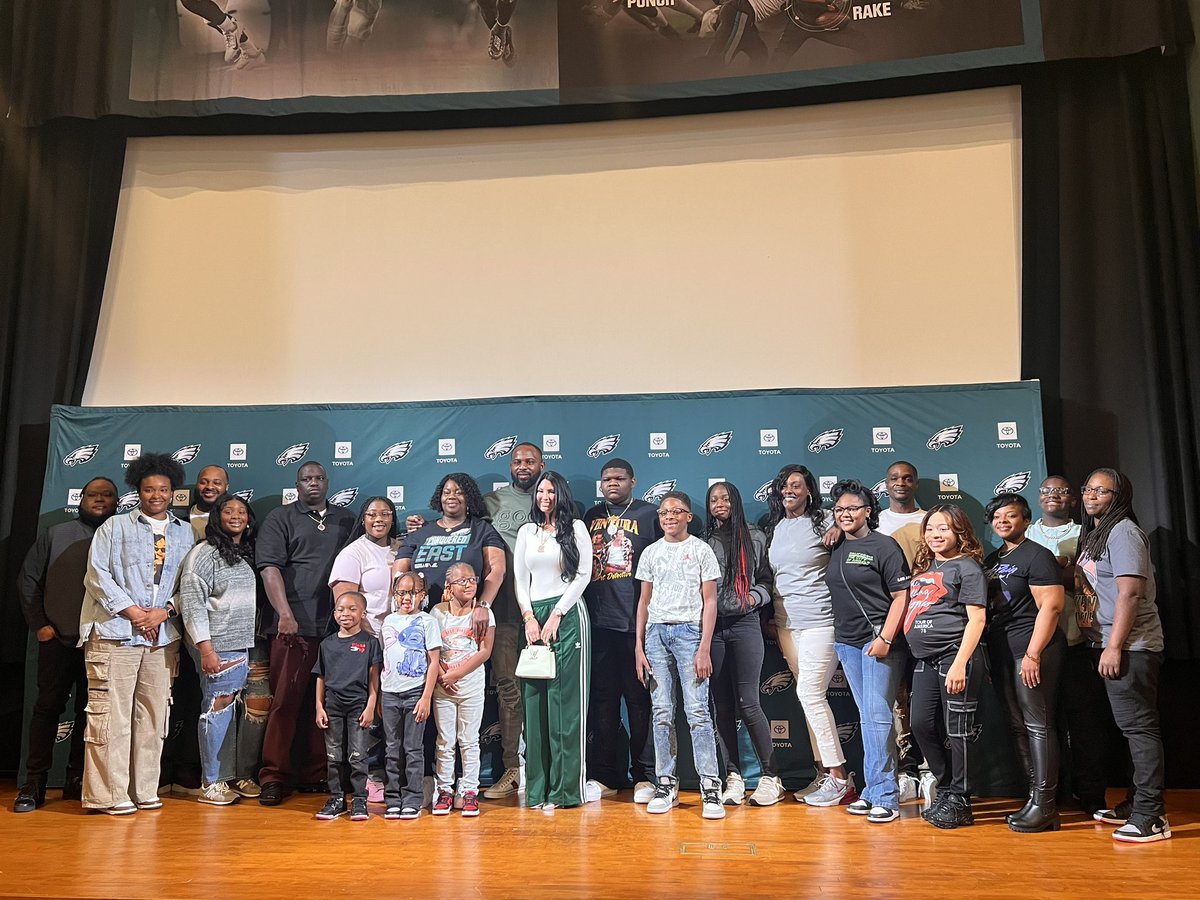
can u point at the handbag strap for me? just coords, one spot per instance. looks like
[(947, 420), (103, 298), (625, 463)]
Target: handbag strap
[(876, 630)]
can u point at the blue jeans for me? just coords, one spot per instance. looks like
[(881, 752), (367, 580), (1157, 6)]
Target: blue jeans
[(214, 723), (874, 683), (671, 652)]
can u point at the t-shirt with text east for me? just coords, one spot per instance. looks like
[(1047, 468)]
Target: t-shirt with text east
[(433, 550), (676, 570), (937, 605), (1012, 611), (407, 640), (345, 664)]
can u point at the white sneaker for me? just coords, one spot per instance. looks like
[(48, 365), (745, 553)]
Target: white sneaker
[(811, 787), (711, 806), (927, 788), (735, 790), (232, 33), (643, 792), (769, 791), (909, 787), (666, 798), (882, 814), (833, 792), (250, 56), (508, 783), (594, 790), (217, 794)]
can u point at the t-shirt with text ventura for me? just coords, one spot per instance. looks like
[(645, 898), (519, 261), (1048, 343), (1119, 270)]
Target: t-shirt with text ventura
[(619, 536), (459, 645), (937, 605), (345, 664), (407, 640), (862, 576), (1012, 611), (433, 550), (677, 569)]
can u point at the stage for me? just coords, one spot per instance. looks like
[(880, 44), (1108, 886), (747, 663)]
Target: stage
[(606, 849)]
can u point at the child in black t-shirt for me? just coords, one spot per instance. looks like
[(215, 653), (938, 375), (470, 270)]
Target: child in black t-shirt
[(347, 671)]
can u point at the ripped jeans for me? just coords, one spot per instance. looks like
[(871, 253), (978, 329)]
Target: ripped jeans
[(231, 738), (218, 706), (931, 702)]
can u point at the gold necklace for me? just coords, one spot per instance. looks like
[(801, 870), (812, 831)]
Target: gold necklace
[(542, 534)]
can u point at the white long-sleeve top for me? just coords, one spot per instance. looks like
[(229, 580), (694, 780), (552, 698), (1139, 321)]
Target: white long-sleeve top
[(538, 573)]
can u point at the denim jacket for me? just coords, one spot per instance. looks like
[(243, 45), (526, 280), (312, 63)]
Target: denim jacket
[(120, 574)]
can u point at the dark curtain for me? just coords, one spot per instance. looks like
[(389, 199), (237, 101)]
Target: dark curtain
[(1073, 29)]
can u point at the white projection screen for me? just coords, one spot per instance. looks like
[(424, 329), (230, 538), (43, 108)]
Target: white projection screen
[(858, 244)]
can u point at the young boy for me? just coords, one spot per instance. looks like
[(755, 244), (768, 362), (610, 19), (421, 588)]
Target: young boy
[(676, 615), (411, 654), (458, 700), (347, 673)]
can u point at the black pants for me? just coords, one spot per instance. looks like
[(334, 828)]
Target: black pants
[(931, 702), (737, 659), (614, 677), (1133, 696), (1031, 712), (60, 668), (1085, 722), (405, 759), (346, 745)]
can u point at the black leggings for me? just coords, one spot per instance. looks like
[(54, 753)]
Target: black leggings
[(206, 10), (737, 659), (931, 702), (1031, 712)]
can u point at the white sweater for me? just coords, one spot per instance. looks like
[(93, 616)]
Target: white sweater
[(538, 573)]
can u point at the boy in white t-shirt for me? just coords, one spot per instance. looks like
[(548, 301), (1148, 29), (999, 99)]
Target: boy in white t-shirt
[(458, 699), (676, 614)]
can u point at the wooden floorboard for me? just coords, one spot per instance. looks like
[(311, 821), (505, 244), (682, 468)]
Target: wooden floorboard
[(606, 849)]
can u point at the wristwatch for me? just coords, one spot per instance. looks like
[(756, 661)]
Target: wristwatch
[(172, 612), (486, 604)]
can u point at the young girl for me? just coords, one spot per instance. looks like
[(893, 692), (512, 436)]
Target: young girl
[(944, 622), (411, 655), (458, 699)]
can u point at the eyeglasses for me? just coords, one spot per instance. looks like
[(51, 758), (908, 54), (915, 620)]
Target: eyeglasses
[(674, 512), (404, 595), (1054, 492), (838, 510), (1100, 492), (386, 514), (465, 581)]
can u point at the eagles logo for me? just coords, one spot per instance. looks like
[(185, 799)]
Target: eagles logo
[(764, 492), (127, 501), (395, 452), (502, 447), (847, 731), (186, 454), (80, 455), (947, 437), (716, 443), (245, 495), (64, 731), (491, 734), (776, 683), (604, 445), (658, 491), (818, 15), (1014, 483), (880, 490), (292, 454), (344, 497), (826, 440)]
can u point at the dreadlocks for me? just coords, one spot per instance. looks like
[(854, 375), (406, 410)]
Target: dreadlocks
[(739, 552), (1093, 536)]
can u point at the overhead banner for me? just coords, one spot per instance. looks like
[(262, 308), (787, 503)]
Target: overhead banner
[(195, 57), (968, 442)]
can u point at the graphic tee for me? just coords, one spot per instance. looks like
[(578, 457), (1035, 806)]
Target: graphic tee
[(345, 664), (1012, 611), (1127, 553), (458, 646), (862, 576), (433, 550), (618, 537), (677, 570), (937, 605), (407, 640), (159, 528)]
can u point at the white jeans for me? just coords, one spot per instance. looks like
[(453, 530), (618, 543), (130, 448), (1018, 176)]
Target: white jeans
[(811, 657), (458, 720)]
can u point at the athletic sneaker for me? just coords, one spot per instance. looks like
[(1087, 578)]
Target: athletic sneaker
[(444, 803), (927, 788), (470, 804), (881, 814), (392, 812), (122, 809), (217, 794), (496, 41), (1116, 816), (735, 790), (250, 56), (643, 792), (1143, 830), (358, 810), (335, 806), (244, 787), (149, 804), (859, 807), (594, 790), (374, 790), (711, 806), (233, 34), (507, 52), (769, 791), (909, 788), (509, 783), (410, 812), (818, 779), (833, 792), (666, 796)]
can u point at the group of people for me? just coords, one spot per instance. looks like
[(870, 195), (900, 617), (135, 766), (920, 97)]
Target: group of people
[(641, 604)]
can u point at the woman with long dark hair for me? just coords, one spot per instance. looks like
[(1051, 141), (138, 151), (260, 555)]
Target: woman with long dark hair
[(365, 563), (1118, 614), (947, 611), (798, 555), (1026, 648), (553, 564), (219, 594), (737, 643)]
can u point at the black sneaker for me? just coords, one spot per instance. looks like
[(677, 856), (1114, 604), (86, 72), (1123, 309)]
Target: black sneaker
[(955, 812), (31, 796), (271, 794), (1143, 830), (334, 807), (73, 789), (358, 809), (1118, 815)]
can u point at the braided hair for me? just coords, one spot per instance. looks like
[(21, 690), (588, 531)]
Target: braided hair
[(1093, 536), (739, 551)]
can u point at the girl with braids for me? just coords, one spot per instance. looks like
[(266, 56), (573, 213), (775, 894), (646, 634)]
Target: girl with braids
[(737, 643), (798, 551), (553, 564), (944, 622), (1118, 615), (219, 593), (868, 583)]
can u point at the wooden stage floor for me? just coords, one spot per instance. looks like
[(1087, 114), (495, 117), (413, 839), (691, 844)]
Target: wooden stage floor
[(606, 849)]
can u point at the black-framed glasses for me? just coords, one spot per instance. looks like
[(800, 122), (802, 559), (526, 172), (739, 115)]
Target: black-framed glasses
[(464, 581), (1054, 491), (1100, 492), (673, 512), (838, 510), (386, 514)]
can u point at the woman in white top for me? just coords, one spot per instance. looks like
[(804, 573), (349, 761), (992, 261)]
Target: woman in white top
[(365, 563), (798, 551), (553, 564)]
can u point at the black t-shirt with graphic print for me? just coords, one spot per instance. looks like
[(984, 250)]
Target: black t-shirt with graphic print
[(433, 550), (862, 576), (345, 664), (1012, 611), (937, 605)]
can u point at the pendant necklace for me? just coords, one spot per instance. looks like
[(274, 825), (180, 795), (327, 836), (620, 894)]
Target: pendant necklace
[(613, 527), (1055, 531), (317, 517), (542, 535)]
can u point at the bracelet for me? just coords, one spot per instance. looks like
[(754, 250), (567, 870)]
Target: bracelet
[(885, 640), (1036, 659), (526, 617)]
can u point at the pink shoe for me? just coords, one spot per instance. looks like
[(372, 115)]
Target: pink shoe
[(374, 791)]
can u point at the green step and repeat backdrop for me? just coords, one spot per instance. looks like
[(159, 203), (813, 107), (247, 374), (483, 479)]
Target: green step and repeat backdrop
[(968, 443)]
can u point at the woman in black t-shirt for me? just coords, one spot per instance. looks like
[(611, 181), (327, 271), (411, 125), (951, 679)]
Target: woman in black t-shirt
[(1025, 600), (944, 622)]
